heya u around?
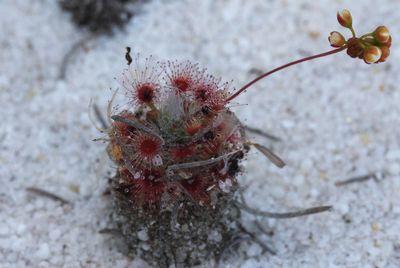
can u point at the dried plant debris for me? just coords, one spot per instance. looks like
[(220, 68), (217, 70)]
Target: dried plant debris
[(181, 232), (178, 150), (356, 179), (99, 15), (44, 193)]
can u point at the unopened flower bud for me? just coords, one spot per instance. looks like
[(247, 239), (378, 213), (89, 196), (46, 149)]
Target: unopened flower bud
[(372, 54), (354, 49), (382, 34), (389, 43), (336, 39), (385, 53), (369, 41), (345, 19)]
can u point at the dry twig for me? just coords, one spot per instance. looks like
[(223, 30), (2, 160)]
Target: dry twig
[(47, 194), (262, 133), (356, 179)]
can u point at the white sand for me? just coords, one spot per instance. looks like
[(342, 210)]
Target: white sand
[(337, 117)]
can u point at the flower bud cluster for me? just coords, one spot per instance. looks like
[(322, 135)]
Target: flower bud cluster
[(373, 47)]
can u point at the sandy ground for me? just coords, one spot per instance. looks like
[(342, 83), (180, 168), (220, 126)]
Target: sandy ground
[(337, 118)]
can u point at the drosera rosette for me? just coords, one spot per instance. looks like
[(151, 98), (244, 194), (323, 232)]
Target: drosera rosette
[(99, 16), (177, 150), (177, 147), (177, 131)]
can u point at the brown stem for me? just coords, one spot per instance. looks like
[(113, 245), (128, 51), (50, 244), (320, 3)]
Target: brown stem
[(262, 133), (47, 194), (356, 179), (285, 215), (313, 210), (283, 67)]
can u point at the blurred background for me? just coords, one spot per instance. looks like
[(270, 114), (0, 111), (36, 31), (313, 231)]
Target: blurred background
[(337, 118)]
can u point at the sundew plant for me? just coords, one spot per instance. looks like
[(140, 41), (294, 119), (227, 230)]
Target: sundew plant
[(178, 149)]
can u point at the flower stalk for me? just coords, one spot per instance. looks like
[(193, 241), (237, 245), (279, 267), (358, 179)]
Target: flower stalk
[(372, 48)]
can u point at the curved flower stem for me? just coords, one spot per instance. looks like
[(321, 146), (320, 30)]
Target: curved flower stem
[(237, 93)]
